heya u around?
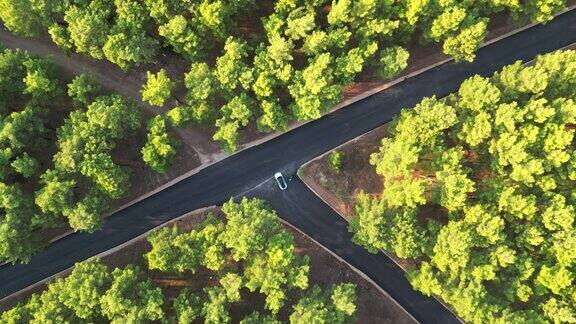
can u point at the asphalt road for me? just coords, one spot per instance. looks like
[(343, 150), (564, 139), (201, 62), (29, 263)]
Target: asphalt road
[(251, 170), (305, 210)]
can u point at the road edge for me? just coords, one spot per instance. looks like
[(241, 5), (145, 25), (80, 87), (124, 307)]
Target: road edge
[(105, 253), (221, 156)]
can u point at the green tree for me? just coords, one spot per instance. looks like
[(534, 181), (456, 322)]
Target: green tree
[(158, 88), (83, 88), (85, 143), (215, 309), (173, 251), (17, 18), (230, 67), (18, 242), (335, 161), (200, 82), (82, 290), (273, 116), (250, 224), (257, 318), (131, 297), (91, 293), (128, 48), (312, 90), (478, 185), (88, 27), (393, 60), (238, 109), (227, 133), (39, 84), (56, 195), (319, 307), (275, 269), (463, 45), (183, 38), (12, 73), (344, 299), (202, 87), (26, 165), (159, 151), (187, 307), (232, 282)]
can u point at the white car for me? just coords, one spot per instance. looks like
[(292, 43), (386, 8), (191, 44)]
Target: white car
[(280, 179)]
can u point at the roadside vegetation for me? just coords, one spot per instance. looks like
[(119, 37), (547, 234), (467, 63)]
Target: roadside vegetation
[(256, 61), (479, 187), (56, 147), (246, 255)]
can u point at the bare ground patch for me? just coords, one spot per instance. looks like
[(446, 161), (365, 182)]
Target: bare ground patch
[(340, 189)]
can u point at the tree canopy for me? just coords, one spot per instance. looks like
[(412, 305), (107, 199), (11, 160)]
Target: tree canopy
[(289, 62), (479, 185), (246, 253), (85, 143), (56, 163), (158, 88), (29, 92), (253, 235), (159, 151)]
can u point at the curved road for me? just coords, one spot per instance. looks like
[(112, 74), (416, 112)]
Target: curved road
[(249, 172), (304, 210)]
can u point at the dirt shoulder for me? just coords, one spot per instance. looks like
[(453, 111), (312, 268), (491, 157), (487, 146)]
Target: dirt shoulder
[(339, 189), (325, 269)]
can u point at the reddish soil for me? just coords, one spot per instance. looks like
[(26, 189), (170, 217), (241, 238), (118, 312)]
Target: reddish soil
[(144, 179), (340, 189), (325, 269)]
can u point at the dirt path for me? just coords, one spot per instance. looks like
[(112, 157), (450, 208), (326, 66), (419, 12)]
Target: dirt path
[(113, 78)]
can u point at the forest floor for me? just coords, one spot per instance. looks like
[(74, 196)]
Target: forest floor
[(339, 189), (373, 305)]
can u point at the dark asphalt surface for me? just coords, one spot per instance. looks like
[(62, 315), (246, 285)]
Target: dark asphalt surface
[(241, 173), (305, 210)]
